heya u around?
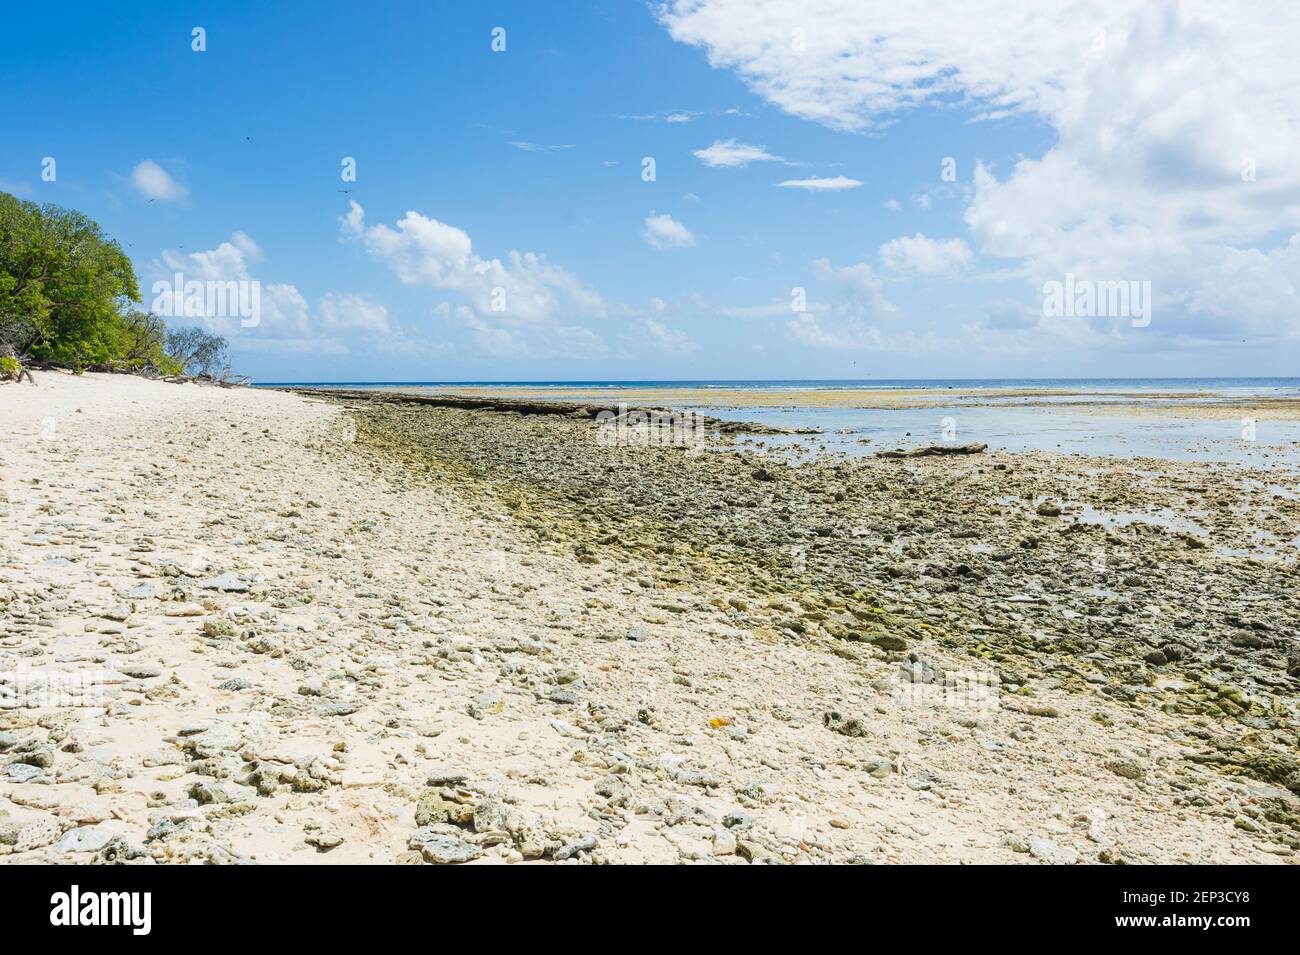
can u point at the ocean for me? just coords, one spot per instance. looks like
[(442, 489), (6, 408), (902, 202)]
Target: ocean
[(1241, 386), (1188, 419)]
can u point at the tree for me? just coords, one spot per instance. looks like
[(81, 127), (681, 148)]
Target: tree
[(197, 351), (137, 343), (64, 286), (23, 308), (68, 294)]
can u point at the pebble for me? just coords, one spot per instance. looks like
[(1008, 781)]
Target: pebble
[(1050, 853)]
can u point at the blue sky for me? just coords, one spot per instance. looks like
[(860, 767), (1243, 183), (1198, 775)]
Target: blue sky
[(521, 171)]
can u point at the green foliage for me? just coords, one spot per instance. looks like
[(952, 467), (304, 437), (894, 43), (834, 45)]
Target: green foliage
[(66, 294), (137, 342), (9, 368)]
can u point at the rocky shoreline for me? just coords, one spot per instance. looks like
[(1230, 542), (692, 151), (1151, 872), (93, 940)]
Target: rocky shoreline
[(585, 410), (329, 630), (1058, 572)]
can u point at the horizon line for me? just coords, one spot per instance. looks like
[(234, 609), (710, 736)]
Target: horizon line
[(687, 381)]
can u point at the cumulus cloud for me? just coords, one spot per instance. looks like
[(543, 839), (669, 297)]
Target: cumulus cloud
[(524, 287), (285, 320), (834, 184), (154, 182), (849, 317), (1172, 159), (521, 306), (861, 284), (284, 312), (664, 232), (727, 153), (917, 255), (229, 260)]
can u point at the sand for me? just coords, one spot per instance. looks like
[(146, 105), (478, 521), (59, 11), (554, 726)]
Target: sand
[(293, 643)]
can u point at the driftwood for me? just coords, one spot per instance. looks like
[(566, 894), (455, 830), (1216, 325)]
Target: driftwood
[(227, 380), (933, 450), (152, 372), (7, 352), (531, 406)]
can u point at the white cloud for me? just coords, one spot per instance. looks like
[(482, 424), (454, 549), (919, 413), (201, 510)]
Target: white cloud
[(353, 223), (662, 338), (675, 116), (808, 329), (284, 312), (541, 147), (423, 251), (1156, 109), (860, 282), (664, 232), (848, 320), (728, 154), (516, 308), (863, 60), (522, 306), (285, 322), (353, 312), (227, 262), (917, 255), (492, 339), (154, 182), (822, 185)]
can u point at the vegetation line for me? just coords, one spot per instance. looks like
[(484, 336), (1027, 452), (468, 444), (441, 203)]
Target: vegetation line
[(69, 299)]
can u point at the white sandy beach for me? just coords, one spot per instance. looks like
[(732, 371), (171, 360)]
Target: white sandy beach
[(306, 645)]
